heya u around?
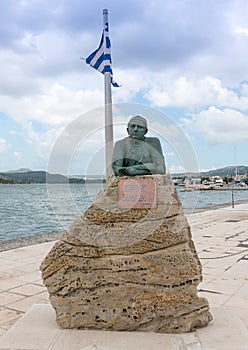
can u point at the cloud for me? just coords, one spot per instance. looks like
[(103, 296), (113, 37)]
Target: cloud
[(77, 141), (171, 90), (173, 169), (3, 145), (17, 155), (192, 93), (57, 106), (241, 31), (145, 44), (40, 142), (218, 126), (50, 37), (45, 40), (186, 55)]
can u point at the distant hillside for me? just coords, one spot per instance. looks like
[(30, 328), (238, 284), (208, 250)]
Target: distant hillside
[(36, 177), (5, 181), (40, 177), (227, 171), (22, 170)]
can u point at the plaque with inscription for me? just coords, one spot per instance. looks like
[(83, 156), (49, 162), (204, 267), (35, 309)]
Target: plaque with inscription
[(140, 193)]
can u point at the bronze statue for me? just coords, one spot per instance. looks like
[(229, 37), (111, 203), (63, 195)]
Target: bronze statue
[(137, 154)]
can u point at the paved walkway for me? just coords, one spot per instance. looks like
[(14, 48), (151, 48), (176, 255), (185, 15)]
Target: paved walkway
[(221, 239)]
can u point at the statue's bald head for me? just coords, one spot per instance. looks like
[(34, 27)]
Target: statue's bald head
[(138, 120), (137, 127)]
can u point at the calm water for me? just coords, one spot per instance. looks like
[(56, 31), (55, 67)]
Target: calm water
[(30, 210)]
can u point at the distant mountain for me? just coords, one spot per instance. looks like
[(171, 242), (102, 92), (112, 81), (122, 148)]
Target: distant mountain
[(33, 177), (22, 170), (227, 171), (5, 181), (222, 172), (39, 177)]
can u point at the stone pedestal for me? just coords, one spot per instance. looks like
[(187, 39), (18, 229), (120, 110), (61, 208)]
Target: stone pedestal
[(127, 268)]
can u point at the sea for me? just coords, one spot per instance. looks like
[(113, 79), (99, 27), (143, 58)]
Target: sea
[(28, 210)]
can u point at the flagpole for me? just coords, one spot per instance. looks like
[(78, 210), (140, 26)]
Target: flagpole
[(108, 113)]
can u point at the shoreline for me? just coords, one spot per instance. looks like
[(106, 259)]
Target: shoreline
[(219, 206), (27, 241), (54, 236)]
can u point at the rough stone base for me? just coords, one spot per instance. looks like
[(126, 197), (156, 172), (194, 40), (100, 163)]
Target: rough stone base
[(127, 269)]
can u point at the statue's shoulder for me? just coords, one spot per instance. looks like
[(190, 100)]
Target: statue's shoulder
[(121, 145), (154, 140), (155, 143), (122, 141)]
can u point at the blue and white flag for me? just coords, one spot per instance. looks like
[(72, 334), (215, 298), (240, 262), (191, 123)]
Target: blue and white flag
[(100, 59)]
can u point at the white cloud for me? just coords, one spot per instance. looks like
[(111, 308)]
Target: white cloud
[(41, 143), (57, 106), (172, 90), (202, 170), (131, 81), (170, 154), (13, 132), (78, 140), (190, 64), (218, 126), (241, 31), (192, 93), (3, 145), (173, 169), (17, 155)]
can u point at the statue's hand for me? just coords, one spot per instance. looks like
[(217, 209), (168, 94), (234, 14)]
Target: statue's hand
[(131, 170), (122, 172)]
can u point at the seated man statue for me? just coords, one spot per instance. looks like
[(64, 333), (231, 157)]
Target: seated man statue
[(137, 154)]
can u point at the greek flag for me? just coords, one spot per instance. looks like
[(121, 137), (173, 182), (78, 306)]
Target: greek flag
[(100, 59)]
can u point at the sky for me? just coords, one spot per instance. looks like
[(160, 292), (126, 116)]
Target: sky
[(182, 64)]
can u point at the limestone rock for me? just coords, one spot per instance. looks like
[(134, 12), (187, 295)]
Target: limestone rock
[(127, 269)]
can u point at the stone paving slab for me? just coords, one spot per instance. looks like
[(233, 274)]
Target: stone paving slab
[(226, 332), (37, 330)]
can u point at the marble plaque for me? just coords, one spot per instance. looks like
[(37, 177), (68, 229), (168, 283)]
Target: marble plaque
[(140, 193)]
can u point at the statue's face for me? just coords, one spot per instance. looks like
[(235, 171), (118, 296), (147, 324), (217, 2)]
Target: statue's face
[(136, 131)]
